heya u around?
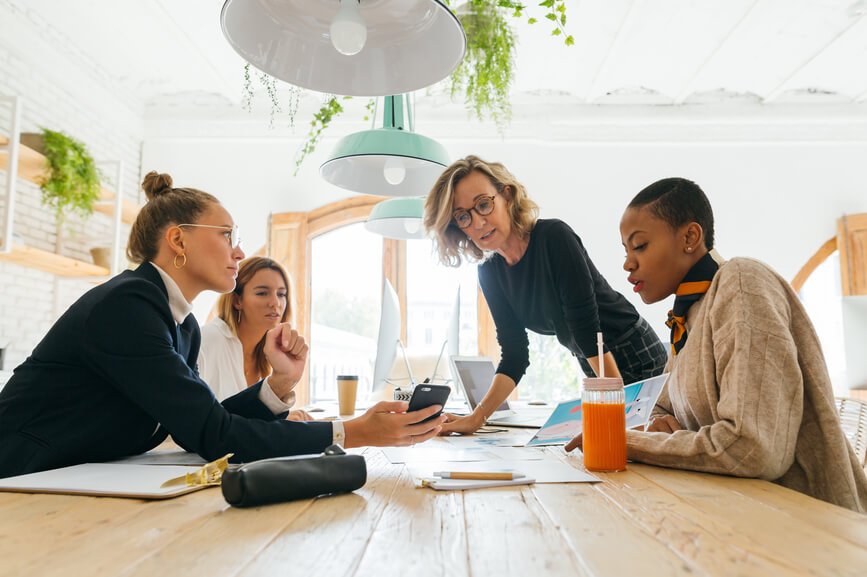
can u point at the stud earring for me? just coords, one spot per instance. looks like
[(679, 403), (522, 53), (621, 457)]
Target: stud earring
[(689, 249)]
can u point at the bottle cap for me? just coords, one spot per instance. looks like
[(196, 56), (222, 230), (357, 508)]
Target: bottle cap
[(603, 383)]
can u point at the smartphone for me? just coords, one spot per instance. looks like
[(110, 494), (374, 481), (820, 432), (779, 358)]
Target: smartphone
[(425, 395)]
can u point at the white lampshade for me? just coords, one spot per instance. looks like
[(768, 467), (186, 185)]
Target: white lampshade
[(409, 44)]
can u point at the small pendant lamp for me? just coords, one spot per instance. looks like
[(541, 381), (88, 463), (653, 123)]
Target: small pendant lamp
[(398, 218), (388, 161), (351, 47)]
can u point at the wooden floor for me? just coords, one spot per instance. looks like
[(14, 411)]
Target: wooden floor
[(646, 521)]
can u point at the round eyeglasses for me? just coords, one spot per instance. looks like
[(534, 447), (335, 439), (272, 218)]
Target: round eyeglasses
[(231, 233), (483, 205)]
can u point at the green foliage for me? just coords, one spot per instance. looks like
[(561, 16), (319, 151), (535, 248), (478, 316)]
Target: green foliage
[(72, 184), (486, 73), (338, 310), (327, 113)]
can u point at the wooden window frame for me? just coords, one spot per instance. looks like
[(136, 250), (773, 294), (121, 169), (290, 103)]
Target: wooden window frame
[(290, 237)]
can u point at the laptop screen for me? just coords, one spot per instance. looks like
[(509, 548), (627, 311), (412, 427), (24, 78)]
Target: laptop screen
[(476, 376)]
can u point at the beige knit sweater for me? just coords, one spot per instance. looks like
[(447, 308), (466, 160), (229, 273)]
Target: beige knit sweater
[(752, 390)]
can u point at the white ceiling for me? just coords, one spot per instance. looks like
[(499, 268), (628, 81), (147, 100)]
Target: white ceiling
[(164, 53)]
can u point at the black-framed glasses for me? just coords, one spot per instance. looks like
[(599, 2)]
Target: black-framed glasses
[(233, 236), (483, 205)]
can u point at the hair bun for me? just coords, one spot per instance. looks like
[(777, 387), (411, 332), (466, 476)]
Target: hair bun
[(156, 184)]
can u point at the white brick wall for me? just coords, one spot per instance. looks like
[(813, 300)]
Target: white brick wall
[(61, 90)]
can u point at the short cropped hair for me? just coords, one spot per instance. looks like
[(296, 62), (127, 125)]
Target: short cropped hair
[(678, 201)]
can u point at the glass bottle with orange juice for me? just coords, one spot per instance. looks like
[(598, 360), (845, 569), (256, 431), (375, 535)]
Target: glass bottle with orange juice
[(604, 422)]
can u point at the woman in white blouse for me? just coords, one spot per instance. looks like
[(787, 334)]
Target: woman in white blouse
[(232, 355)]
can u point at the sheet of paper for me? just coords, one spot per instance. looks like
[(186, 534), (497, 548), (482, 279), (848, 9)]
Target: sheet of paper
[(438, 452), (547, 470), (500, 440), (163, 457), (565, 422), (103, 479)]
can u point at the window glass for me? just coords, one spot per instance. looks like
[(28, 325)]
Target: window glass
[(346, 295), (431, 292), (821, 296), (554, 375)]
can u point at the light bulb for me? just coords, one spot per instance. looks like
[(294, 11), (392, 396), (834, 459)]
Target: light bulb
[(348, 29), (394, 170), (411, 224)]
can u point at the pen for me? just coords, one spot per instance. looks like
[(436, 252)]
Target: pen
[(494, 476)]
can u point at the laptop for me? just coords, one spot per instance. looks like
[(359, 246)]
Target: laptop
[(474, 376)]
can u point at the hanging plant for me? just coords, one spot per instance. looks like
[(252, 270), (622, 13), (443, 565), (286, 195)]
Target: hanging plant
[(321, 120), (484, 77), (71, 184)]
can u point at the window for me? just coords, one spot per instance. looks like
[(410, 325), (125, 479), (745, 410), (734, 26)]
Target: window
[(553, 375), (346, 294), (821, 294)]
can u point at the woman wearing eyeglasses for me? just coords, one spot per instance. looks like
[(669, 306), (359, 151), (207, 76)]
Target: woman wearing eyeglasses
[(535, 274), (232, 355), (117, 372)]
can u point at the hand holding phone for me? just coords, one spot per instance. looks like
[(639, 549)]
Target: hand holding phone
[(425, 395)]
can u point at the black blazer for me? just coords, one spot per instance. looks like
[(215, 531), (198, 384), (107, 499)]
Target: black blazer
[(115, 375)]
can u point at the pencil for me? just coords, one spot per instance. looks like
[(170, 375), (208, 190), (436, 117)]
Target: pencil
[(493, 476)]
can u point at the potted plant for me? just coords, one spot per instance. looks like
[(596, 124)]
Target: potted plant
[(71, 181)]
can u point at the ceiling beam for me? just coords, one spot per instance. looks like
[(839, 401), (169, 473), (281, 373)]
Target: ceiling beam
[(689, 87), (596, 90), (781, 87)]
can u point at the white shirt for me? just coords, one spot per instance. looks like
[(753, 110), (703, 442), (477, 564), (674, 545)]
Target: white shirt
[(221, 366)]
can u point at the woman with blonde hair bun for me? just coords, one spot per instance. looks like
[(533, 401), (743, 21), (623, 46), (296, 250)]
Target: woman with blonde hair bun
[(232, 356), (535, 274), (116, 374)]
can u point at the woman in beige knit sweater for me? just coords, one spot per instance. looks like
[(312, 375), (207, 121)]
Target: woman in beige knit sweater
[(749, 393)]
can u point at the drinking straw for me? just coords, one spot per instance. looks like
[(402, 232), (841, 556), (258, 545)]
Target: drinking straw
[(601, 361)]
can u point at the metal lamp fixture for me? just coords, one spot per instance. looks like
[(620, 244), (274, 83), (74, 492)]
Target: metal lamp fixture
[(398, 218), (389, 161), (352, 47)]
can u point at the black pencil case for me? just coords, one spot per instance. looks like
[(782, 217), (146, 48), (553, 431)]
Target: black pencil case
[(290, 478)]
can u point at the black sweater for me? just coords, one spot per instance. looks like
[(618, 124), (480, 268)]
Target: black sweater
[(553, 289)]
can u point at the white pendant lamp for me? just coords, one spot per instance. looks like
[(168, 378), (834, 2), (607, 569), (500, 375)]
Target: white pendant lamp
[(388, 161), (398, 218), (351, 47)]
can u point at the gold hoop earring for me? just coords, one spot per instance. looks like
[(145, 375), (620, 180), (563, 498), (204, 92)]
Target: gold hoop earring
[(175, 261), (239, 316)]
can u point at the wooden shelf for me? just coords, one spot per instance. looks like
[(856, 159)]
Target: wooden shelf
[(31, 167), (52, 263)]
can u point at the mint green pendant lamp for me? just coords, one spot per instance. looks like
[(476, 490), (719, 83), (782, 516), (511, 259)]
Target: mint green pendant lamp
[(398, 218), (389, 161)]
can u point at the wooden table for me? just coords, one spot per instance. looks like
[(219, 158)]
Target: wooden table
[(646, 521)]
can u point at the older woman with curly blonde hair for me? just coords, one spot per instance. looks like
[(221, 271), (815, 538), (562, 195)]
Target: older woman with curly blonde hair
[(535, 274)]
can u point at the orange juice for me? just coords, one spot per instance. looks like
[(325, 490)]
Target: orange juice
[(604, 436)]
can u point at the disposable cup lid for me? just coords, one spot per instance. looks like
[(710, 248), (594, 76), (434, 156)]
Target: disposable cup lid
[(347, 377), (603, 384)]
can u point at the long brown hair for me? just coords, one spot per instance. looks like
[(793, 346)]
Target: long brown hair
[(226, 308), (452, 244), (166, 206)]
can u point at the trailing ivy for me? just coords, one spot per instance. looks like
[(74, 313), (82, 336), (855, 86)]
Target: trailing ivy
[(321, 120)]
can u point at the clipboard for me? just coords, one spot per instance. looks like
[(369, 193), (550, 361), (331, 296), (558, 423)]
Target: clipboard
[(105, 480)]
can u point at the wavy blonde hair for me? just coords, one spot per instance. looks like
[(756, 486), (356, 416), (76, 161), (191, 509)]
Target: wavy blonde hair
[(226, 307), (452, 244)]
